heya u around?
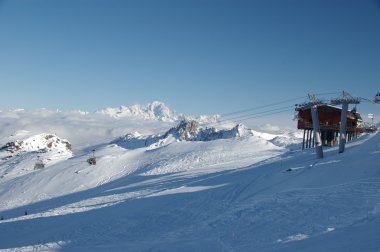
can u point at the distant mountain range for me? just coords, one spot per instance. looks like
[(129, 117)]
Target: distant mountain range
[(152, 111), (155, 110), (151, 121)]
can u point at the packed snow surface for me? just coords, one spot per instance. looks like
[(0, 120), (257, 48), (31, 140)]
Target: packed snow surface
[(163, 186)]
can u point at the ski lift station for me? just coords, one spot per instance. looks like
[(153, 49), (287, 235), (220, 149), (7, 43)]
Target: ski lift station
[(329, 122)]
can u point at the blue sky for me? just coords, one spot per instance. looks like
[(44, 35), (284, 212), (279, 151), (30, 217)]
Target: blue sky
[(199, 56)]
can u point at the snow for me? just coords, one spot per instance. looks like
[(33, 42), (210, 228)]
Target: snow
[(252, 191), (155, 110)]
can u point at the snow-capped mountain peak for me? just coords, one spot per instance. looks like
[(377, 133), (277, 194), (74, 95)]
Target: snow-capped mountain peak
[(41, 142), (152, 111), (48, 147), (186, 130)]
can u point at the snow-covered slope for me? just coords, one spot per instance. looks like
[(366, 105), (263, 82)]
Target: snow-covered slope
[(241, 191), (291, 202), (154, 155)]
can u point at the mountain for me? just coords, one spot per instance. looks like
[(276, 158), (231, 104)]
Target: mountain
[(86, 129), (281, 138), (25, 155), (38, 143), (151, 111), (190, 130), (155, 111), (186, 130)]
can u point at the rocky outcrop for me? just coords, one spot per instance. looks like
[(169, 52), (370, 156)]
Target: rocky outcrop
[(39, 143), (186, 130)]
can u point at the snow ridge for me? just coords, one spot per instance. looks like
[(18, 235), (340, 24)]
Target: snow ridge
[(189, 130), (186, 130)]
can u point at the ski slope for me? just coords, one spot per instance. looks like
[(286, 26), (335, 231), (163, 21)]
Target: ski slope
[(248, 193)]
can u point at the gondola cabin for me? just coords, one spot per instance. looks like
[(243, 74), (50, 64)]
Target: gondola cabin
[(377, 98), (39, 164), (329, 122), (92, 160)]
